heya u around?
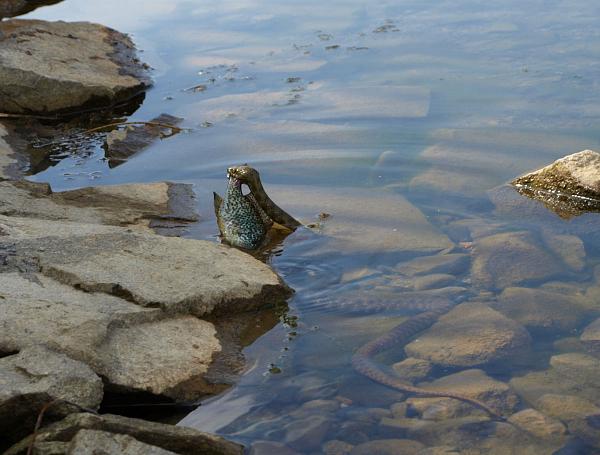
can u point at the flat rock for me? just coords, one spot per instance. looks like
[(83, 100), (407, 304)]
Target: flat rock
[(58, 66), (181, 440), (570, 185), (137, 205), (412, 369), (539, 425), (591, 338), (440, 408), (93, 441), (542, 310), (177, 275), (388, 447), (470, 334), (36, 376), (476, 384), (510, 259), (364, 220), (12, 8), (453, 264)]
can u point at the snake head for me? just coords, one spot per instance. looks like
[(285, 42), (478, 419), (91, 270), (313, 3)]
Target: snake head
[(243, 173)]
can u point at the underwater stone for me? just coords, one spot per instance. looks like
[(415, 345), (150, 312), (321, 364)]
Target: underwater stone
[(591, 338)]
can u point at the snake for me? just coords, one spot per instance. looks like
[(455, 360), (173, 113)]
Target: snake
[(244, 220)]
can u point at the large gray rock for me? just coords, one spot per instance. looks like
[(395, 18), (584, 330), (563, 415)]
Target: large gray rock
[(570, 186), (12, 8), (470, 334), (86, 442), (58, 66), (36, 376), (180, 440), (512, 258)]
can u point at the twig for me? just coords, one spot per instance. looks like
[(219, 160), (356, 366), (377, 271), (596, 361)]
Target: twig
[(159, 124)]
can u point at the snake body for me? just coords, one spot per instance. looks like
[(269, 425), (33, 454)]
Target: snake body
[(243, 221), (363, 363)]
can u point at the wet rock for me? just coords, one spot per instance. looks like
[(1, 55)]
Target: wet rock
[(367, 222), (412, 370), (12, 8), (542, 310), (434, 281), (441, 408), (539, 425), (388, 447), (181, 440), (270, 448), (336, 447), (320, 407), (92, 441), (569, 248), (590, 338), (136, 205), (201, 277), (580, 415), (36, 376), (58, 66), (476, 384), (399, 409), (8, 160), (439, 450), (512, 258), (470, 334), (306, 434), (122, 144), (453, 264), (569, 186)]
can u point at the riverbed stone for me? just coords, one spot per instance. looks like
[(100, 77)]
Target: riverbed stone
[(476, 384), (36, 376), (539, 425), (542, 310), (271, 448), (512, 258), (470, 334), (307, 434), (441, 408), (336, 447), (453, 264), (388, 447), (590, 338), (575, 177), (93, 441), (181, 440), (412, 370), (49, 67)]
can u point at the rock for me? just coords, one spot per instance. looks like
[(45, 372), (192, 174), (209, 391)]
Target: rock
[(270, 448), (539, 425), (512, 258), (453, 264), (412, 370), (122, 144), (181, 440), (440, 450), (336, 447), (476, 384), (8, 160), (52, 67), (306, 434), (570, 185), (36, 376), (441, 408), (320, 407), (201, 277), (12, 8), (91, 441), (388, 447), (542, 310), (590, 338), (136, 205), (363, 221), (578, 367), (434, 281), (470, 334), (569, 248)]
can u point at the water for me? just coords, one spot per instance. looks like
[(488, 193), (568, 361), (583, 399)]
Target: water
[(396, 118)]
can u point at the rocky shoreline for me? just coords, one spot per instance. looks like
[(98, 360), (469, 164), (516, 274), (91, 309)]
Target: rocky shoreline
[(93, 300)]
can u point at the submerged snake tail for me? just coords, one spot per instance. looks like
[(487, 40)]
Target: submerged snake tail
[(362, 360)]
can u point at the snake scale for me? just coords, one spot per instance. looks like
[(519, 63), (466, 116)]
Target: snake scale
[(243, 221)]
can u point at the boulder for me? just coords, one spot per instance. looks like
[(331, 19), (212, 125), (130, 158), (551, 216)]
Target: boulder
[(542, 310), (12, 8), (539, 425), (476, 384), (412, 369), (468, 335), (570, 185), (590, 338), (512, 258), (180, 440), (49, 67), (36, 376), (92, 441)]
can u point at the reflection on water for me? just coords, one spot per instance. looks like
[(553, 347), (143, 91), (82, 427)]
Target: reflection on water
[(401, 120)]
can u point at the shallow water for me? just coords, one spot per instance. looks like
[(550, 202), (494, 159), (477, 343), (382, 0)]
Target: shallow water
[(397, 119)]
